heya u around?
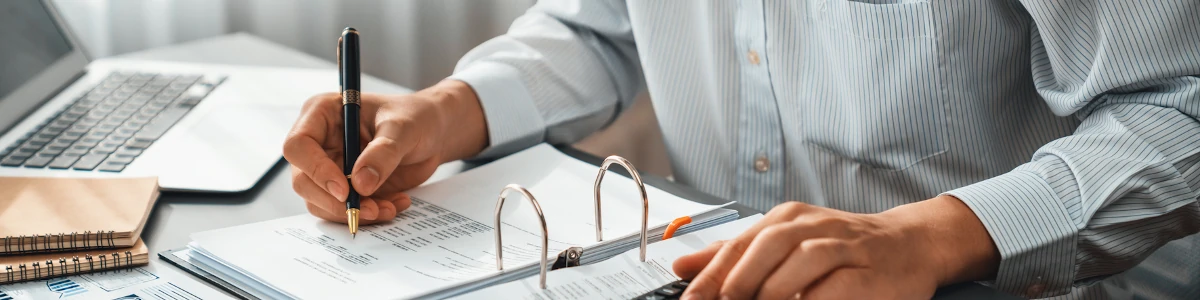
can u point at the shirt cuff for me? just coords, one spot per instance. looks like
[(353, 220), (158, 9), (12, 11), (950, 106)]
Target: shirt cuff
[(1031, 228), (512, 119)]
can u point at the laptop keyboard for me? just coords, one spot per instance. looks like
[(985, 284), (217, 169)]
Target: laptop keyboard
[(109, 126)]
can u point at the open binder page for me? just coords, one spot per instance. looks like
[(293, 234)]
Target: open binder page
[(445, 239), (620, 277)]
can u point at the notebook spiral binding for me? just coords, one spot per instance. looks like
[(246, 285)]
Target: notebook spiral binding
[(34, 271), (74, 241)]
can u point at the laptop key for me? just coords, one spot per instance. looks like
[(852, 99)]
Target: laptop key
[(26, 150), (38, 161), (106, 148), (161, 123), (127, 152), (63, 161), (89, 162), (108, 167), (12, 161)]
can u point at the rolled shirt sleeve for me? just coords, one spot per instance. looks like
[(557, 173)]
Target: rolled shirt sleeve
[(564, 69), (1101, 200)]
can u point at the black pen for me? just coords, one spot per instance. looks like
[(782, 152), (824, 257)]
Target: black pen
[(348, 77)]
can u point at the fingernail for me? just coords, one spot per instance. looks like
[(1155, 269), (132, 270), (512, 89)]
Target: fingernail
[(336, 190), (367, 177)]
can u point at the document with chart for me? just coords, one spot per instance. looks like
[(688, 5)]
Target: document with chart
[(444, 243), (142, 283)]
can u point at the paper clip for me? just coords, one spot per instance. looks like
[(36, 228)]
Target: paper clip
[(675, 224), (641, 188), (541, 217)]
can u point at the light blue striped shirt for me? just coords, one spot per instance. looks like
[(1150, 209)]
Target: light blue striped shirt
[(1069, 127)]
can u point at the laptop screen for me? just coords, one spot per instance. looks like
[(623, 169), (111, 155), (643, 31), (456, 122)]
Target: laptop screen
[(30, 42)]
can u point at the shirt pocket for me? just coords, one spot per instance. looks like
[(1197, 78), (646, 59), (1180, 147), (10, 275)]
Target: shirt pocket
[(882, 104), (875, 19)]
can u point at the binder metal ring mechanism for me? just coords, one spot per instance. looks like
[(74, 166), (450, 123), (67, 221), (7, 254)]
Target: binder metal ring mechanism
[(572, 256), (542, 217), (637, 179)]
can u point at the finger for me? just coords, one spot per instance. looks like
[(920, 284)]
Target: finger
[(811, 261), (303, 150), (339, 217), (688, 266), (393, 141), (845, 283), (402, 201), (772, 245), (314, 195), (368, 209), (708, 282), (320, 212), (387, 210)]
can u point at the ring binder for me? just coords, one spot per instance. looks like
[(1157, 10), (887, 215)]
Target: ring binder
[(542, 217), (633, 173)]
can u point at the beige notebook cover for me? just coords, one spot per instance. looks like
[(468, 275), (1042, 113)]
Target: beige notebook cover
[(39, 215), (49, 265)]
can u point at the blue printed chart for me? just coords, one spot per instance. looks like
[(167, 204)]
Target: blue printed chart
[(138, 283)]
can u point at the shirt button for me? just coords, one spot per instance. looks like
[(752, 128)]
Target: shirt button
[(753, 57), (761, 164)]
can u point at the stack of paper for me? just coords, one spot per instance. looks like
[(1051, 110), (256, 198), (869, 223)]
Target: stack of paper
[(444, 244)]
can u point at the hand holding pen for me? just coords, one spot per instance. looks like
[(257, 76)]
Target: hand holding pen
[(406, 137)]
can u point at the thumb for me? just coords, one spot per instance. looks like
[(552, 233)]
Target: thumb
[(688, 266), (381, 157)]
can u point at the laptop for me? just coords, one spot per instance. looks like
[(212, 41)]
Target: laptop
[(198, 127)]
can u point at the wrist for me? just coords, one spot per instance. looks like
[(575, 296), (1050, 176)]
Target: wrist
[(461, 122), (952, 242)]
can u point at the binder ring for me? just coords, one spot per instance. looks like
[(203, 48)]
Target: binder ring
[(641, 188), (541, 217)]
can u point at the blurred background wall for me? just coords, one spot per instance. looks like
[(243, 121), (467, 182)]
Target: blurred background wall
[(415, 43), (421, 39)]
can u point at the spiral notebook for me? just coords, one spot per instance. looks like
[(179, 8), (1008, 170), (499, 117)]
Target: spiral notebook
[(40, 215), (40, 266)]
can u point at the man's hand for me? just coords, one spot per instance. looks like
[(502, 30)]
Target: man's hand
[(407, 137), (800, 251)]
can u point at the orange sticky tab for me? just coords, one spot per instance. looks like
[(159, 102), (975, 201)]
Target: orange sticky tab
[(678, 222)]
